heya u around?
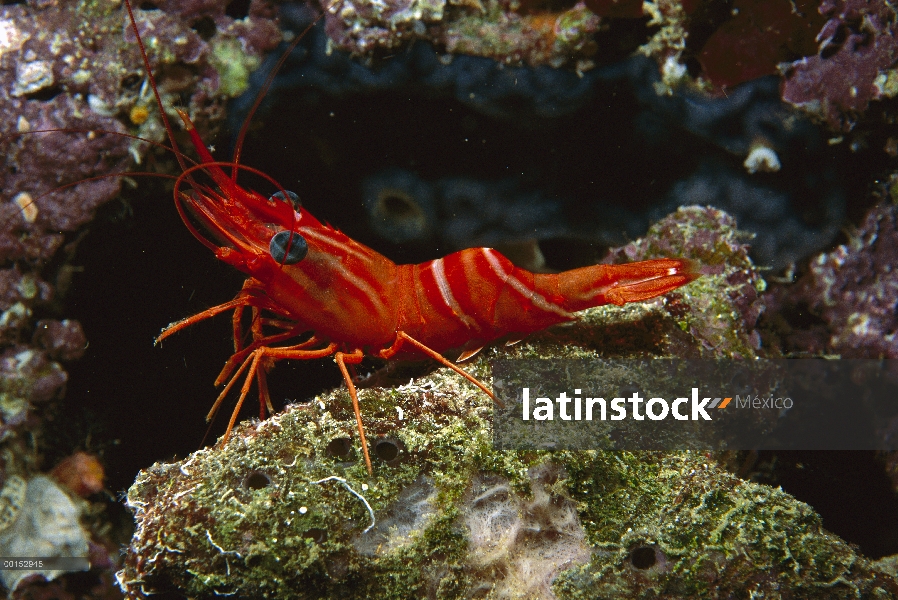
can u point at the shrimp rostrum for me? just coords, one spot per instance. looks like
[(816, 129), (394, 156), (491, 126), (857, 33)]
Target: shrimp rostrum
[(307, 277)]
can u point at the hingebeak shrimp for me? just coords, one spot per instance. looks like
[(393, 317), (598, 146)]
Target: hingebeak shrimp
[(306, 277)]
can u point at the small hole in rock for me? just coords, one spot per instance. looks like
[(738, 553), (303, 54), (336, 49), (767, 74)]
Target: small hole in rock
[(316, 534), (387, 449), (339, 447), (834, 44), (44, 94), (205, 28), (257, 480), (132, 81), (238, 9), (643, 557)]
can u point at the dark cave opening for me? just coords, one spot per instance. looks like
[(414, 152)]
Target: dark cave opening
[(849, 489)]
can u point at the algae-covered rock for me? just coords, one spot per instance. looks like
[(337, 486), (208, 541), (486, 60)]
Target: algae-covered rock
[(720, 310), (287, 509)]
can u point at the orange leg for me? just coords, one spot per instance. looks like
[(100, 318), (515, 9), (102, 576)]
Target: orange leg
[(264, 396), (236, 318), (251, 290), (239, 302), (241, 355), (402, 337), (224, 392), (253, 362), (354, 359), (248, 296)]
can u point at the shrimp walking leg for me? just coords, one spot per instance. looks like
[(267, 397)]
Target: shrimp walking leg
[(239, 356), (236, 303), (255, 361), (354, 358), (403, 338), (249, 296)]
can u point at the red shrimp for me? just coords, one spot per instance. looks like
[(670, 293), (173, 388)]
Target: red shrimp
[(312, 278), (307, 278)]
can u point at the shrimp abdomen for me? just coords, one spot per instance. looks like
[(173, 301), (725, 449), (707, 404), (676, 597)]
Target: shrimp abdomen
[(477, 295)]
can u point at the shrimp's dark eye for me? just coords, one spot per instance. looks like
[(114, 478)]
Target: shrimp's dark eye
[(294, 199), (278, 247)]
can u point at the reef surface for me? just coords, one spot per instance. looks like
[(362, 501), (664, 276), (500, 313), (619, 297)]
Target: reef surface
[(781, 149), (286, 507), (78, 110)]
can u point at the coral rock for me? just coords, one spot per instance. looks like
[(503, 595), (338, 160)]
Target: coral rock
[(488, 28), (66, 79), (858, 44), (725, 303), (283, 507), (47, 525), (81, 472), (62, 340), (854, 289)]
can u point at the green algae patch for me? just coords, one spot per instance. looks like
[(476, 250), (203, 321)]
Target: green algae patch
[(279, 510), (680, 526), (233, 64)]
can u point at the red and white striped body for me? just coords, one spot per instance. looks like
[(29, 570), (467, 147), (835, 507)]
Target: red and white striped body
[(347, 293), (478, 295)]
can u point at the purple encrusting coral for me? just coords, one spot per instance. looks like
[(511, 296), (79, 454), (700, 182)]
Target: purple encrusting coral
[(854, 289), (858, 44), (61, 340), (721, 309), (78, 109), (55, 75)]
